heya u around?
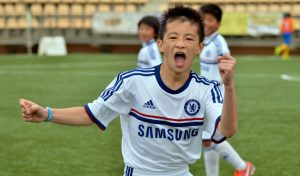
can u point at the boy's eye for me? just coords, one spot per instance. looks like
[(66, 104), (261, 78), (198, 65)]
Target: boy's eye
[(172, 37), (190, 39)]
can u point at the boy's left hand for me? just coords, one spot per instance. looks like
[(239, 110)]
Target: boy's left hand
[(227, 68)]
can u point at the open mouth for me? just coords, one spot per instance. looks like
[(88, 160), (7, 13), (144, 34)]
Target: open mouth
[(179, 59)]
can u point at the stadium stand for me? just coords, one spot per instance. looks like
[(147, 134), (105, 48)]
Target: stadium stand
[(54, 16), (73, 19), (247, 5)]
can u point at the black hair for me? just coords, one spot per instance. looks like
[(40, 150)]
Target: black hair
[(151, 21), (182, 14), (212, 9), (286, 15)]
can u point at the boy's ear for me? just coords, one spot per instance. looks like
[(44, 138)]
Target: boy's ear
[(201, 46), (160, 45)]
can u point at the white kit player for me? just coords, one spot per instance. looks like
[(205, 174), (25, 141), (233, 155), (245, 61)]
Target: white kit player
[(149, 55), (164, 109), (214, 47)]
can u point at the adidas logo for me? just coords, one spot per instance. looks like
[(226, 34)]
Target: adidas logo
[(149, 104)]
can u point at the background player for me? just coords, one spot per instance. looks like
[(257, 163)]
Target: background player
[(287, 27), (149, 55), (215, 46), (160, 108)]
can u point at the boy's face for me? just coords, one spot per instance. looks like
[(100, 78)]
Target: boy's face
[(180, 45), (145, 33), (211, 24)]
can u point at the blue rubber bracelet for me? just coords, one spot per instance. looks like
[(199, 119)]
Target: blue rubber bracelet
[(50, 113)]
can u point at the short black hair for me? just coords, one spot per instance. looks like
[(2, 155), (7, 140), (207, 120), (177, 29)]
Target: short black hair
[(182, 14), (151, 21), (212, 9)]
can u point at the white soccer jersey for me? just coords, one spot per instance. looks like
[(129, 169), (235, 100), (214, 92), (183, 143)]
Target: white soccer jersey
[(214, 46), (149, 55), (161, 128)]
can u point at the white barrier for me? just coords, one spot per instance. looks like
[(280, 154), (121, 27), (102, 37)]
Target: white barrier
[(52, 46)]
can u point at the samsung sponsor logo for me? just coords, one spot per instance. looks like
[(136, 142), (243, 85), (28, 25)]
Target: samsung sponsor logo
[(167, 133)]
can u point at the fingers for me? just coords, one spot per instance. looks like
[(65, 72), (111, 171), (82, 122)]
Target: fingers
[(227, 65), (226, 58), (24, 106), (24, 111), (27, 108), (22, 103), (34, 108), (27, 118), (25, 103), (226, 62), (227, 68)]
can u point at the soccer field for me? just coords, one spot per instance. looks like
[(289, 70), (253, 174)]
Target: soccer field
[(269, 116)]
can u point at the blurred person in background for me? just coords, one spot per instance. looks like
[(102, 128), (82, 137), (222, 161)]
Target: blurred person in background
[(149, 55), (287, 28), (214, 46)]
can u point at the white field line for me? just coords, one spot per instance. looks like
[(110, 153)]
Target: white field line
[(258, 75), (269, 76), (111, 73), (69, 65), (290, 78), (252, 59), (58, 73)]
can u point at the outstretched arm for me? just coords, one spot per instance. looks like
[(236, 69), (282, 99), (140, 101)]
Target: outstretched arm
[(32, 112), (229, 119)]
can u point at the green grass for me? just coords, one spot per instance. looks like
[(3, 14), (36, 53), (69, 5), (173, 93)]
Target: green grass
[(269, 109)]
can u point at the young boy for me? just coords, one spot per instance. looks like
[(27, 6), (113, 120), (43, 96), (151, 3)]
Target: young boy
[(214, 47), (149, 55), (163, 110)]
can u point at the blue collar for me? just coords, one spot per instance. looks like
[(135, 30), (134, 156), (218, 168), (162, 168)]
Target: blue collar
[(165, 87), (210, 38), (148, 43)]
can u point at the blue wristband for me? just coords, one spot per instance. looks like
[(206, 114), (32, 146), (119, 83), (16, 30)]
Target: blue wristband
[(50, 113)]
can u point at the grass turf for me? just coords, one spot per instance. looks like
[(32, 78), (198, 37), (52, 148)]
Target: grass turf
[(269, 109)]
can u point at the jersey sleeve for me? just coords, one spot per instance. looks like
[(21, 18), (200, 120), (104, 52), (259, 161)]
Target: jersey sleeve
[(113, 101), (154, 55), (224, 46), (212, 114), (142, 58)]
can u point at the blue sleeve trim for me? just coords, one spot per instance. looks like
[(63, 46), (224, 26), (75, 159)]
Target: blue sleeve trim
[(216, 126), (93, 118)]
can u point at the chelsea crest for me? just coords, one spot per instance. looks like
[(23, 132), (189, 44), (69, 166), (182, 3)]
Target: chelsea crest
[(192, 107)]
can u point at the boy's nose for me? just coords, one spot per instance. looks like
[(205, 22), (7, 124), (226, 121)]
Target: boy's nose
[(179, 44)]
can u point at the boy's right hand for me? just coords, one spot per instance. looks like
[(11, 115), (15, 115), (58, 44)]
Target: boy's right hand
[(32, 112)]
